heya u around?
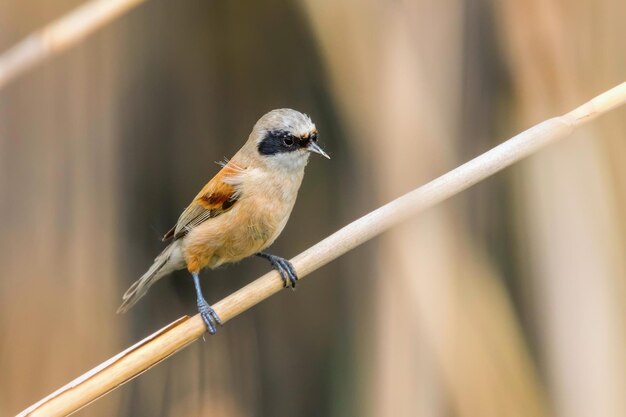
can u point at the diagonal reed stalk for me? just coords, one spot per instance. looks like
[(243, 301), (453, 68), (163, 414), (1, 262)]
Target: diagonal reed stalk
[(167, 341), (60, 35)]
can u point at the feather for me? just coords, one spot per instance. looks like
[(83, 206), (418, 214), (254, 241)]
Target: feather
[(217, 197), (168, 261)]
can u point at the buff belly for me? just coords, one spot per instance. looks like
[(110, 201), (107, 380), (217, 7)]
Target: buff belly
[(233, 236)]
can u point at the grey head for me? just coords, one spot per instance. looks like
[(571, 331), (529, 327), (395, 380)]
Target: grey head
[(286, 138)]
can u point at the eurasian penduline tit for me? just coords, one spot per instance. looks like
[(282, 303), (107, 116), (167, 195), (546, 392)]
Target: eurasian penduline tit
[(241, 210)]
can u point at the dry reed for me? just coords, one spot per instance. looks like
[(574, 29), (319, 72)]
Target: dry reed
[(60, 35), (164, 343)]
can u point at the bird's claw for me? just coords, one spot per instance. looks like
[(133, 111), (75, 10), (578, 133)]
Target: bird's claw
[(287, 273), (285, 269), (209, 316)]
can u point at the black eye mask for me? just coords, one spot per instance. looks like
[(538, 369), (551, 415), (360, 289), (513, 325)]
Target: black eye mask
[(280, 141)]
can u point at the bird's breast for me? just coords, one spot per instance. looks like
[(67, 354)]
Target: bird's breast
[(253, 224), (271, 202)]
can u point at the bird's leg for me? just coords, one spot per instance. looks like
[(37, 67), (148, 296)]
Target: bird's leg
[(209, 316), (284, 268)]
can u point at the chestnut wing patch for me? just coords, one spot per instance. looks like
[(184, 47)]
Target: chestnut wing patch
[(216, 198)]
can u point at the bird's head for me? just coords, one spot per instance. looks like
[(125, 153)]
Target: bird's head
[(285, 138)]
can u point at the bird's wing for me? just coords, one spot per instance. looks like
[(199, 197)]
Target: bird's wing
[(217, 197)]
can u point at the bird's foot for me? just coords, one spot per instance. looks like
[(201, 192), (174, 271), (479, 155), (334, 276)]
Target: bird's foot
[(284, 267), (209, 316)]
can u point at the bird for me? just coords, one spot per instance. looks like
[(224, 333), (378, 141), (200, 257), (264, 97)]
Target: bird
[(241, 211)]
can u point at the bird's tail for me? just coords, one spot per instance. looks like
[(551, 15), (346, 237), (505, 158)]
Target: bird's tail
[(171, 259)]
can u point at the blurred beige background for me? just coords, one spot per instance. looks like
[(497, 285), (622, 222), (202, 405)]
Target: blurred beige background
[(507, 300)]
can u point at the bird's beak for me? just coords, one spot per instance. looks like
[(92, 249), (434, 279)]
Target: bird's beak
[(315, 148)]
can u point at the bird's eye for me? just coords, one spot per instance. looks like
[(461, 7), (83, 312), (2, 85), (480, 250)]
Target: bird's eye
[(314, 137), (288, 141)]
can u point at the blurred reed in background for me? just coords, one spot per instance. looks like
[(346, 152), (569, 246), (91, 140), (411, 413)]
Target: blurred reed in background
[(506, 301)]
